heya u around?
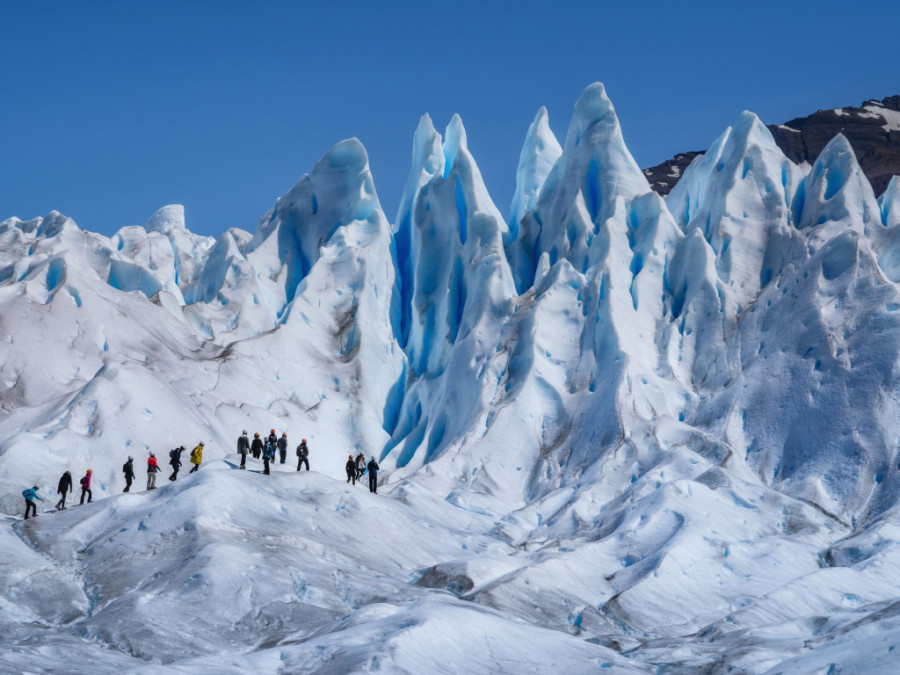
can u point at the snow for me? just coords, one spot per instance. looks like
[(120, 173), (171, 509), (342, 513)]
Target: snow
[(615, 432), (891, 118), (877, 111)]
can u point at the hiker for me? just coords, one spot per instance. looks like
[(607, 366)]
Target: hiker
[(175, 461), (272, 441), (351, 470), (86, 487), (282, 447), (30, 495), (360, 465), (64, 487), (373, 475), (128, 470), (257, 446), (243, 448), (303, 454), (268, 456), (152, 470), (196, 457)]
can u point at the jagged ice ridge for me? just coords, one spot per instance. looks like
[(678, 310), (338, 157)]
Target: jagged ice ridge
[(615, 430)]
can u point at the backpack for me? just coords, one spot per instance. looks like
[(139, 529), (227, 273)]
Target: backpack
[(125, 467), (83, 478), (172, 453)]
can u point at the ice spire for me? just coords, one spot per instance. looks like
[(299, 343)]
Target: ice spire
[(289, 239), (890, 203), (579, 193), (835, 194), (459, 285), (427, 162), (738, 194), (453, 226), (539, 154)]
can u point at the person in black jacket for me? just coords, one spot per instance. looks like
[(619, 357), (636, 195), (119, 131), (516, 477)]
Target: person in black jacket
[(64, 487), (243, 447), (303, 455), (128, 470), (175, 461), (351, 470), (282, 447), (373, 475), (257, 446)]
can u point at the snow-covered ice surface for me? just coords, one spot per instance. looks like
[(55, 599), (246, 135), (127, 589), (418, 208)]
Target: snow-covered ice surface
[(617, 433)]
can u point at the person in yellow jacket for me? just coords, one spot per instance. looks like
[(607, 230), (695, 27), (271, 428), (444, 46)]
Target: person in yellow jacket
[(197, 456)]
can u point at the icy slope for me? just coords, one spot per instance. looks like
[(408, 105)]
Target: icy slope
[(228, 563)]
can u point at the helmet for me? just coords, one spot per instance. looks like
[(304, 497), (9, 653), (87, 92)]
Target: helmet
[(152, 455), (284, 435), (272, 431), (351, 456), (89, 471), (35, 487), (201, 442), (303, 441), (130, 458), (256, 435), (244, 432)]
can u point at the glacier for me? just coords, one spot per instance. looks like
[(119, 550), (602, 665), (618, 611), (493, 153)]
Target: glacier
[(617, 432)]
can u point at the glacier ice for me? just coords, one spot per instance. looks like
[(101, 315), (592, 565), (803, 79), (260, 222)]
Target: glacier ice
[(616, 432)]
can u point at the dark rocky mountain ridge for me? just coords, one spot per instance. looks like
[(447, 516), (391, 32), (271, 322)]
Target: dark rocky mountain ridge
[(873, 130)]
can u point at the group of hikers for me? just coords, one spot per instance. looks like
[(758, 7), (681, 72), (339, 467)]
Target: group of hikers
[(153, 465), (268, 450), (273, 447), (64, 487), (356, 467)]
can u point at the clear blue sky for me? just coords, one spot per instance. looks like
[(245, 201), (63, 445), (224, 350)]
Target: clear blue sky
[(110, 110)]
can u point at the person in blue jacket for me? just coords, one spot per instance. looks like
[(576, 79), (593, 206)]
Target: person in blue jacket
[(30, 495), (268, 456)]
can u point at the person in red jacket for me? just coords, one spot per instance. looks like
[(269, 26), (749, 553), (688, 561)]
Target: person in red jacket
[(152, 470), (86, 487)]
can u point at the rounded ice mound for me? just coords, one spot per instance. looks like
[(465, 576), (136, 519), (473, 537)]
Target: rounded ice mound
[(54, 224), (348, 154), (168, 218)]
